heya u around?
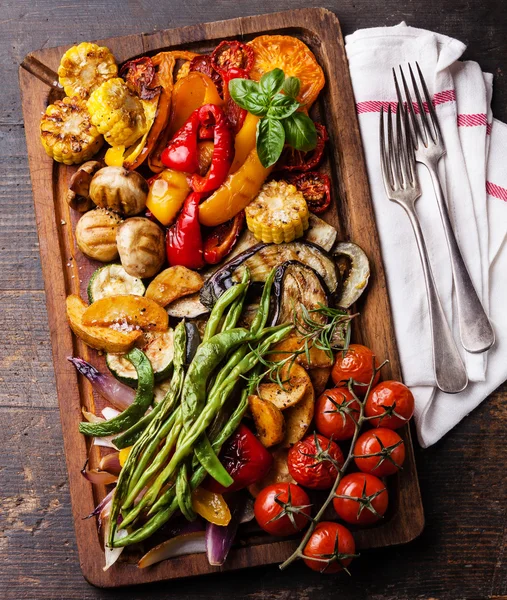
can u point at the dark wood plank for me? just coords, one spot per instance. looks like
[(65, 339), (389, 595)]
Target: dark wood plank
[(45, 566), (66, 271)]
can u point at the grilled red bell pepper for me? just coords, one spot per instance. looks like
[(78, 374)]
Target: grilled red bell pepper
[(221, 239), (223, 149), (181, 152), (183, 239)]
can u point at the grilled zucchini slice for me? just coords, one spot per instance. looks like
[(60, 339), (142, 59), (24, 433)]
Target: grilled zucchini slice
[(113, 280), (159, 349)]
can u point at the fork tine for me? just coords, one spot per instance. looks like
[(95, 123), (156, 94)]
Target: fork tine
[(383, 157), (392, 151), (429, 101), (424, 118), (400, 150), (418, 134), (408, 150), (401, 106)]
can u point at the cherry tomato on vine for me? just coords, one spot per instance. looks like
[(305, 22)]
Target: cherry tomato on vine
[(330, 548), (282, 509), (392, 402), (379, 451), (356, 364), (368, 499), (314, 462), (335, 412)]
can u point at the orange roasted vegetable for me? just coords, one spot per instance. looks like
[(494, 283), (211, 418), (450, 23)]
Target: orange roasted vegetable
[(237, 191), (294, 58), (127, 312), (189, 93), (166, 195)]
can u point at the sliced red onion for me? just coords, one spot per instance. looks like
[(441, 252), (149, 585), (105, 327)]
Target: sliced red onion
[(95, 476), (110, 413), (111, 555), (105, 442), (104, 503), (219, 539), (111, 462), (120, 395), (185, 543), (90, 417)]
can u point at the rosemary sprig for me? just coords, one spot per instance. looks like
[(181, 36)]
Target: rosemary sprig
[(299, 552)]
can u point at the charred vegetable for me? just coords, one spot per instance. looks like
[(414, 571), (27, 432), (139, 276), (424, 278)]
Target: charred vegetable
[(355, 269), (295, 286), (78, 196), (113, 280), (189, 307), (120, 190), (96, 234), (261, 259), (141, 247)]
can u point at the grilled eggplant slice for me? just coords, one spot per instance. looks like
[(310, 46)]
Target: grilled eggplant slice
[(354, 266), (297, 285), (189, 307), (320, 233), (261, 259)]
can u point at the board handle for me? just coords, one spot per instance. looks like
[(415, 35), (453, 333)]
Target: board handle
[(38, 69)]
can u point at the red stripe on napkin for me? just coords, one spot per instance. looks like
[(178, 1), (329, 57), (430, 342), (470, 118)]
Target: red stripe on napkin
[(496, 191), (477, 120), (369, 106)]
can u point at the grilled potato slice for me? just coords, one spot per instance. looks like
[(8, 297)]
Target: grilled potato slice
[(295, 381), (128, 311), (101, 338), (268, 420), (173, 283), (279, 472), (298, 418), (318, 358), (320, 377), (67, 132), (84, 68)]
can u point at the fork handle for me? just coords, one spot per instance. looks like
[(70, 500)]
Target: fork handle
[(475, 330), (450, 372)]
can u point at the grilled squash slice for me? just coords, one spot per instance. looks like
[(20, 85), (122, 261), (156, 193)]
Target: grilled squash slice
[(127, 311), (84, 68), (67, 132), (278, 214), (117, 113)]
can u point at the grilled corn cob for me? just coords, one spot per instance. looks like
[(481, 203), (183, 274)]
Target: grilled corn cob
[(117, 113), (67, 133), (278, 214), (84, 68)]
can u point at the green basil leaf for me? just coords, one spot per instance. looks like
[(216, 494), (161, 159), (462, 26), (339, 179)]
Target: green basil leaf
[(270, 141), (300, 132), (291, 87), (282, 107), (272, 82), (247, 95)]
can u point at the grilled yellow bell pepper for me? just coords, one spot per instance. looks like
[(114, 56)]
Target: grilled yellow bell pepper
[(211, 506), (245, 141), (167, 194), (237, 191)]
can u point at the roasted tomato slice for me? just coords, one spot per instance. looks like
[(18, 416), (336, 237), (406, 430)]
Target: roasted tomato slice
[(232, 54), (316, 188), (296, 160), (220, 241), (245, 459), (139, 74), (202, 64)]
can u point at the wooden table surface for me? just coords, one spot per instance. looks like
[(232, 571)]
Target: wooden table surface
[(460, 555)]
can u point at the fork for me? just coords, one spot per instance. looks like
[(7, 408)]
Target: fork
[(402, 186), (476, 333)]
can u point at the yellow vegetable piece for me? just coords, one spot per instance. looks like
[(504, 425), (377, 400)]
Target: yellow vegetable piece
[(278, 214), (101, 338), (237, 191), (124, 312), (211, 506), (67, 132), (173, 283), (114, 156), (84, 68), (124, 454), (166, 195), (245, 141), (117, 113), (190, 93)]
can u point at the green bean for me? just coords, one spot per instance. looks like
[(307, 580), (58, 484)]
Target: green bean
[(142, 399), (261, 317), (210, 461), (225, 300), (184, 494)]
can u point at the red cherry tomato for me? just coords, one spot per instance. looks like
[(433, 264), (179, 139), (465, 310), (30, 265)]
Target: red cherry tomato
[(392, 402), (314, 462), (335, 411), (379, 452), (356, 364), (244, 458), (330, 548), (282, 509), (368, 499)]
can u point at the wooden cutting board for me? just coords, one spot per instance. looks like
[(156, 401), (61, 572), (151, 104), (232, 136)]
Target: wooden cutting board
[(67, 271)]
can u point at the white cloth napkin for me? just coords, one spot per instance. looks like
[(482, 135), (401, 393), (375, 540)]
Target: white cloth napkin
[(476, 185)]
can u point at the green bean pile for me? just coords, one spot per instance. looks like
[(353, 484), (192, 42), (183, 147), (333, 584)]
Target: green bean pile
[(177, 444)]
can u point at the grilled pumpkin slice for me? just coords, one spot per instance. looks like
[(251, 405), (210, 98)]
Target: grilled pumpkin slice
[(125, 312)]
